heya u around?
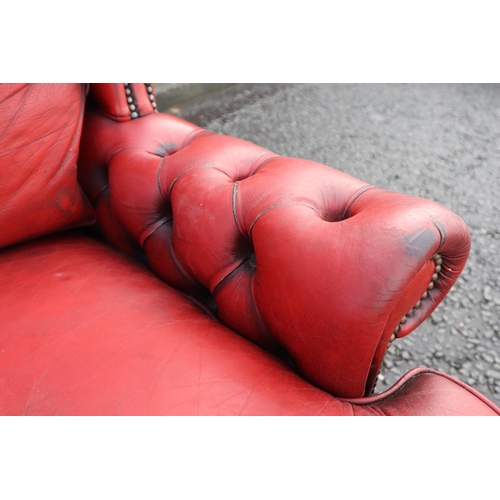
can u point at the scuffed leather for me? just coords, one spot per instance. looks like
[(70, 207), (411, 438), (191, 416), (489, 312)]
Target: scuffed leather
[(87, 331), (295, 256), (40, 126)]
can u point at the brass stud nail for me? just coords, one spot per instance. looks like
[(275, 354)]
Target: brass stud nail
[(431, 285)]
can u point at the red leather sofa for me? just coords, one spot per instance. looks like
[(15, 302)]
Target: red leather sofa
[(150, 267)]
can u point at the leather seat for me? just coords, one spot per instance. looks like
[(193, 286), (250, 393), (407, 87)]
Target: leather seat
[(87, 331)]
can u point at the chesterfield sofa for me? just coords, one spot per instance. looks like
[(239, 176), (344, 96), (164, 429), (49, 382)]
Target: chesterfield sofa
[(150, 267)]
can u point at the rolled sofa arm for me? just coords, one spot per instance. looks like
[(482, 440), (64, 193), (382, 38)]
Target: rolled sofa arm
[(304, 260)]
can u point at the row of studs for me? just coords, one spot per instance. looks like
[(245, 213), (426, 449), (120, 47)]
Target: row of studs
[(131, 103), (438, 261), (149, 90)]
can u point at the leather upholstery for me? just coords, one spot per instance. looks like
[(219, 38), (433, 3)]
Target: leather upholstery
[(425, 392), (122, 102), (303, 260), (299, 258), (87, 331), (40, 128)]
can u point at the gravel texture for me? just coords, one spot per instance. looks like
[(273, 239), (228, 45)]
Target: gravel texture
[(437, 141)]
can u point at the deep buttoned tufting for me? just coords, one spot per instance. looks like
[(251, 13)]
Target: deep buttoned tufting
[(308, 262)]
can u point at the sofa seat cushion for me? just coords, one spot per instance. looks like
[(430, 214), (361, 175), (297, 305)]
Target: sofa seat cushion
[(40, 130), (88, 331)]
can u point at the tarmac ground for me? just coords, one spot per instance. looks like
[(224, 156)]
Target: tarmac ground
[(436, 141)]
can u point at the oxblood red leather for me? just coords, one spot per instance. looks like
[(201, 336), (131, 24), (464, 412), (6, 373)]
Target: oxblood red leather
[(40, 128), (87, 331), (300, 258), (123, 102)]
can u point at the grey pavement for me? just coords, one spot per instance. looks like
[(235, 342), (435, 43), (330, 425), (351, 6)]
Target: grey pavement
[(437, 141)]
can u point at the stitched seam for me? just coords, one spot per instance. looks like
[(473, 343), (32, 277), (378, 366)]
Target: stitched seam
[(392, 395)]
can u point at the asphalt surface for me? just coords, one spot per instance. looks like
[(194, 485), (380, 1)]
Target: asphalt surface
[(437, 141)]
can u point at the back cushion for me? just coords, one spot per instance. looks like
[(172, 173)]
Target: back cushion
[(40, 126)]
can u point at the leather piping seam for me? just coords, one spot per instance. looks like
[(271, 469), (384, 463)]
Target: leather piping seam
[(393, 394), (421, 371)]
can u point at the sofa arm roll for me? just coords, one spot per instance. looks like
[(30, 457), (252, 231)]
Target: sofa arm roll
[(305, 261)]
